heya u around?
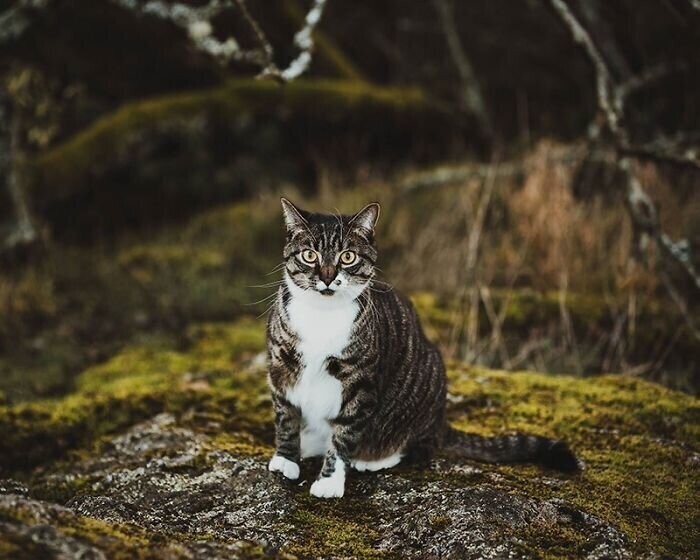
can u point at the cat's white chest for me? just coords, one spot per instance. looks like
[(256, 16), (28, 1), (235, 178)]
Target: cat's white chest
[(324, 329)]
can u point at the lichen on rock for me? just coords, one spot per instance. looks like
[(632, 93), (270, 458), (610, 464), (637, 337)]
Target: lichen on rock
[(162, 450)]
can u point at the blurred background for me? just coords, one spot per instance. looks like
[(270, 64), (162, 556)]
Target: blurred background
[(537, 162)]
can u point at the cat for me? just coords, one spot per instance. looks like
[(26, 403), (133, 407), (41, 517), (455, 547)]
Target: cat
[(353, 377)]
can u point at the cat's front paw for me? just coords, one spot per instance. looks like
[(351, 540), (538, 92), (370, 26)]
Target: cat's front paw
[(283, 465), (329, 487)]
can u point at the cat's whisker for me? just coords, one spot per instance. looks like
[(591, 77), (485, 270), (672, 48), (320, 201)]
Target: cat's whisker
[(267, 310), (277, 268), (263, 300), (268, 285)]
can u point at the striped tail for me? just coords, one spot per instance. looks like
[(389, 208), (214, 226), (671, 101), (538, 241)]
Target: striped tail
[(515, 448)]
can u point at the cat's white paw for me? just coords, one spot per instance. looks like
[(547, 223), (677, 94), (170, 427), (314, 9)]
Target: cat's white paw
[(329, 487), (288, 468)]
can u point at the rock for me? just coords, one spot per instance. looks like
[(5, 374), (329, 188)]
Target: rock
[(141, 464)]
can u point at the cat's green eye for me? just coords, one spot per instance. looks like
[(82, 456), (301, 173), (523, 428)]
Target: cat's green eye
[(348, 257), (309, 256)]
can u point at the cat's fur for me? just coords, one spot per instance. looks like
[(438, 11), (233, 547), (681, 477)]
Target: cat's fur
[(353, 377)]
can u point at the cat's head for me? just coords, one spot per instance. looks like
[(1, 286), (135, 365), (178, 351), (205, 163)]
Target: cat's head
[(330, 254)]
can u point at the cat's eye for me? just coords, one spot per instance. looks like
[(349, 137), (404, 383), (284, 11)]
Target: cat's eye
[(348, 257), (309, 256)]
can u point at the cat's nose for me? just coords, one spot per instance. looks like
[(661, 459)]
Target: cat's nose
[(327, 273)]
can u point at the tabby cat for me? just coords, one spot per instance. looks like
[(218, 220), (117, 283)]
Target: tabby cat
[(353, 377)]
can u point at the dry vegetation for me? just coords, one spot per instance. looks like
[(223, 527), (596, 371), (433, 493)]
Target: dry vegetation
[(482, 242), (528, 269)]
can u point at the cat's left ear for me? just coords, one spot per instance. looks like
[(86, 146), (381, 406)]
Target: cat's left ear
[(293, 216), (367, 217)]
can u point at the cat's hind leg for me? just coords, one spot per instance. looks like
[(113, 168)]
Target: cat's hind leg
[(378, 465)]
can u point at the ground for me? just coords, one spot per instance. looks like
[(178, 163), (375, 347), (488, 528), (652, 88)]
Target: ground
[(161, 452)]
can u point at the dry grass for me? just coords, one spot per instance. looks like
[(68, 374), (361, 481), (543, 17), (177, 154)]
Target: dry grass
[(500, 233), (526, 274)]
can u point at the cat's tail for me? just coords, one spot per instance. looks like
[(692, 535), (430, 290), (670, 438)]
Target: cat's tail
[(514, 448)]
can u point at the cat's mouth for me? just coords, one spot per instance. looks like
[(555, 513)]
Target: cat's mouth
[(327, 292)]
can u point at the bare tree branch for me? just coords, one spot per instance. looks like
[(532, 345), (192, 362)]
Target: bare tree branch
[(612, 97), (265, 46), (665, 150), (11, 167), (643, 79), (197, 22), (472, 96), (15, 20), (642, 211), (304, 42), (645, 217), (606, 99)]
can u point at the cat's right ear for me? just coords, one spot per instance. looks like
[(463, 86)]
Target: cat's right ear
[(293, 218)]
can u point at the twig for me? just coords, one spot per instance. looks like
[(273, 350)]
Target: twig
[(14, 21), (197, 22), (643, 79), (472, 96), (606, 100), (304, 40), (497, 342), (612, 98), (268, 63), (11, 167), (645, 217), (456, 174), (611, 103), (664, 150), (567, 323)]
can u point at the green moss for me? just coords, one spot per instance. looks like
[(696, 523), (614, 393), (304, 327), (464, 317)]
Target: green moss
[(144, 288), (28, 293), (65, 167), (241, 444), (209, 379), (324, 528), (42, 368), (210, 268), (552, 542), (522, 308), (118, 541), (635, 438)]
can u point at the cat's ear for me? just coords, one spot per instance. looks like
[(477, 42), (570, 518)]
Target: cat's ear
[(367, 217), (293, 217)]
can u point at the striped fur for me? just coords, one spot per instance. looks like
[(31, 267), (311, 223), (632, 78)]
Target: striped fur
[(353, 377)]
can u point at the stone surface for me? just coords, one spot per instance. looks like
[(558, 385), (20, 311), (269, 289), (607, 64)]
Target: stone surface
[(161, 452)]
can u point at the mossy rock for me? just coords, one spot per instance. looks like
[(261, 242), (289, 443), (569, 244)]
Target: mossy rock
[(81, 305), (318, 110), (138, 382), (174, 439)]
